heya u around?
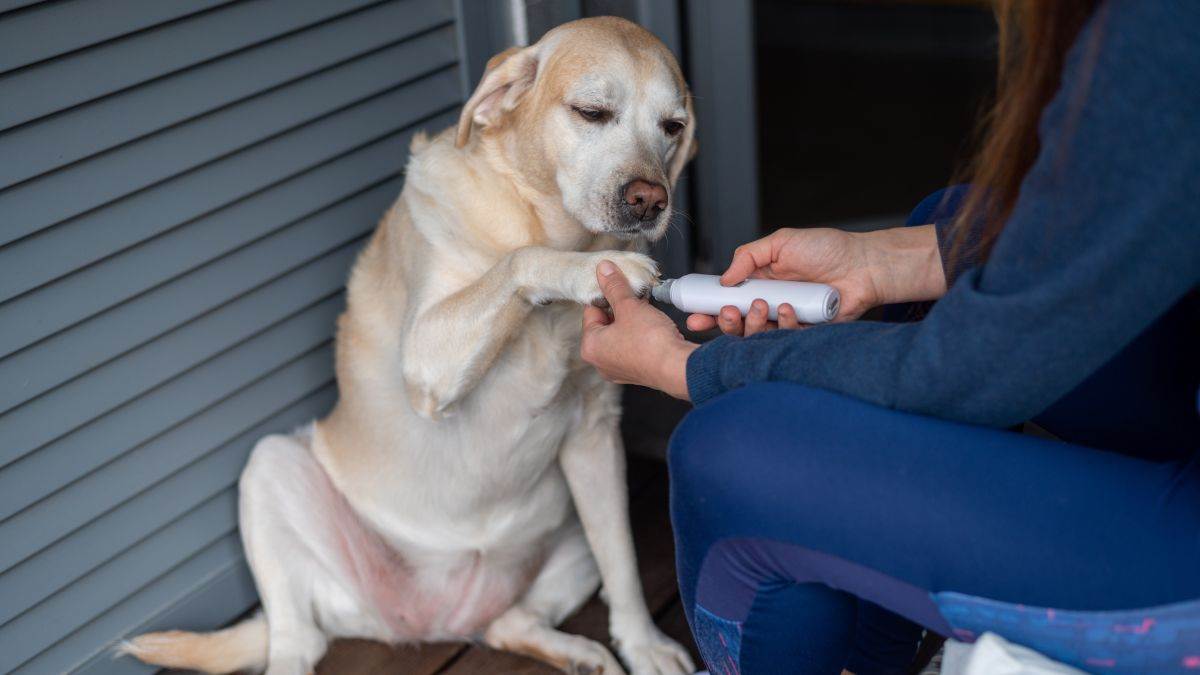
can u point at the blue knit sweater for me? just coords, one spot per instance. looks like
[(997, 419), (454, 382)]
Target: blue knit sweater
[(1103, 240)]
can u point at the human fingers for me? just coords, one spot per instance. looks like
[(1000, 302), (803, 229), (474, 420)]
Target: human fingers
[(613, 284), (756, 318), (730, 320), (701, 322), (747, 259), (787, 317), (594, 318)]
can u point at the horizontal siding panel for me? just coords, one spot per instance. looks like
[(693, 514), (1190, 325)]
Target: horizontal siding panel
[(183, 399), (25, 636), (224, 597), (53, 307), (161, 603), (10, 5), (148, 266), (41, 473), (85, 130), (59, 27), (201, 574), (157, 482), (115, 65), (65, 193), (182, 348), (102, 390), (184, 187), (27, 427), (209, 590)]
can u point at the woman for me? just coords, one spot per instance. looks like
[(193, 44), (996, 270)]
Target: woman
[(839, 488)]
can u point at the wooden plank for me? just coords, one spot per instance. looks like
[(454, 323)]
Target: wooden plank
[(364, 657)]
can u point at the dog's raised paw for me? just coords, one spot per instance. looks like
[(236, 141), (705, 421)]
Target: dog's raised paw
[(640, 270)]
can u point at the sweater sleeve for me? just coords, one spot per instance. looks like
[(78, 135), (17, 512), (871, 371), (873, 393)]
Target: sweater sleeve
[(1104, 238), (940, 210), (960, 257)]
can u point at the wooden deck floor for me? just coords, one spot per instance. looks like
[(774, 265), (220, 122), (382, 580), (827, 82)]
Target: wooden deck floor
[(652, 536)]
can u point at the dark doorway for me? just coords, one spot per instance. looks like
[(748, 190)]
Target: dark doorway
[(865, 107)]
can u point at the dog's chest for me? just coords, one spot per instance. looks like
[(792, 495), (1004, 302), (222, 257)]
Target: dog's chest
[(535, 371)]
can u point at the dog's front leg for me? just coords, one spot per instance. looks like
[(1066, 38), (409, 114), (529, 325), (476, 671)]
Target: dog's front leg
[(452, 340), (593, 461)]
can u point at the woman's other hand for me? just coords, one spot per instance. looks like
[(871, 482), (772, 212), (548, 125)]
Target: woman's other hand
[(868, 269), (637, 344)]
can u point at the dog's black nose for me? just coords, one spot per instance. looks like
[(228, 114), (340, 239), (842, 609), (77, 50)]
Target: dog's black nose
[(643, 200)]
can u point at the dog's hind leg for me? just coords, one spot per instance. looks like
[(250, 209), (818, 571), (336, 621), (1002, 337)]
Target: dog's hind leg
[(283, 507), (289, 521), (273, 484), (566, 581)]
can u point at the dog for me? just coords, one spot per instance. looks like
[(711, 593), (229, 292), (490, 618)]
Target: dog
[(470, 482)]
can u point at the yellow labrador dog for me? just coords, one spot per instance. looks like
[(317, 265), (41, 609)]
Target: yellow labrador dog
[(470, 483)]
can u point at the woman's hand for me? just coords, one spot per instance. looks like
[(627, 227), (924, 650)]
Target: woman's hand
[(897, 265), (636, 345)]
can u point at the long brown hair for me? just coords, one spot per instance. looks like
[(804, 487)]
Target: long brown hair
[(1034, 37)]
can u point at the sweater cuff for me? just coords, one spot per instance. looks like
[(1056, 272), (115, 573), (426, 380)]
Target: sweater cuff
[(957, 259), (941, 208), (704, 371)]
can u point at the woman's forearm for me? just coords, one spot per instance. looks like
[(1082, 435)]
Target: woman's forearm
[(905, 264)]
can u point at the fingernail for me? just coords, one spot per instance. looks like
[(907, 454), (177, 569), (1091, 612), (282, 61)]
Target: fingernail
[(607, 268)]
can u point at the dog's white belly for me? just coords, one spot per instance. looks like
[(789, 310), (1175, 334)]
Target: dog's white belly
[(450, 523), (374, 584)]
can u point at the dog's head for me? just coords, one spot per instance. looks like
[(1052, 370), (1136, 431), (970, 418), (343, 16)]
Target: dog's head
[(597, 112)]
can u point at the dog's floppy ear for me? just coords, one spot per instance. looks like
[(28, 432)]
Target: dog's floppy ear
[(508, 76), (687, 147)]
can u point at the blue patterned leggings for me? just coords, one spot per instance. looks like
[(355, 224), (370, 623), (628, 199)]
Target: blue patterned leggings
[(815, 532)]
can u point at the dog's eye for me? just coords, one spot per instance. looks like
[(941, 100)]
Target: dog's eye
[(672, 127), (592, 114)]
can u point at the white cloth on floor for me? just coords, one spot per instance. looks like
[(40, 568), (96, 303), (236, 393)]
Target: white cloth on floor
[(993, 655)]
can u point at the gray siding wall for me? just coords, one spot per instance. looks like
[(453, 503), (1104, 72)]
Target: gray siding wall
[(183, 186)]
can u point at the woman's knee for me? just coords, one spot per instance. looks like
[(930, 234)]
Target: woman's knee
[(726, 445), (705, 446)]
